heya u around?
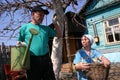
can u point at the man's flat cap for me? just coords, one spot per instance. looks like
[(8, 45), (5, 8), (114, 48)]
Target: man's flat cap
[(39, 8)]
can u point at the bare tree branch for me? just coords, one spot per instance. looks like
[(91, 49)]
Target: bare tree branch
[(9, 8)]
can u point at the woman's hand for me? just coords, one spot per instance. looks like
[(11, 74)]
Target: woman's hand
[(82, 66), (105, 61)]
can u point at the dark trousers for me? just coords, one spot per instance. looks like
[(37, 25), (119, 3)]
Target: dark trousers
[(41, 68)]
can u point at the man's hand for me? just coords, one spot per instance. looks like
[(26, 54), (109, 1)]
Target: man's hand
[(58, 30), (19, 43)]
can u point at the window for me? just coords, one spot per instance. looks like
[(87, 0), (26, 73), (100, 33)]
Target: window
[(112, 30)]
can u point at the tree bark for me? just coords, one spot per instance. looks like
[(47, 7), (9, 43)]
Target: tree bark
[(56, 55)]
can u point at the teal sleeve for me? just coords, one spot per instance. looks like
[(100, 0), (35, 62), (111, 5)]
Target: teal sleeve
[(21, 35), (51, 32)]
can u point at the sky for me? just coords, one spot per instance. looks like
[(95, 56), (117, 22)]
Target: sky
[(47, 20), (69, 8)]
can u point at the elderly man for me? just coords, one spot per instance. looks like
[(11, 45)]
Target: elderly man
[(41, 67)]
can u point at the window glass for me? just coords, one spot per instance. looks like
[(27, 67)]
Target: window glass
[(117, 33), (113, 21)]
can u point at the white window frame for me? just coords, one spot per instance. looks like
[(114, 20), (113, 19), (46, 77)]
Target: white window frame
[(106, 25)]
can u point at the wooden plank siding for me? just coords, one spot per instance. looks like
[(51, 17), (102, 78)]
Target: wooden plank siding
[(96, 13), (72, 49), (94, 19)]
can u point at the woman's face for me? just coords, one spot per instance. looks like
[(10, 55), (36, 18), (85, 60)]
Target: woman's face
[(38, 16), (85, 41)]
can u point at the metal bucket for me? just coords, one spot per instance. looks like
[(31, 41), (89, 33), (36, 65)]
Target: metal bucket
[(17, 54)]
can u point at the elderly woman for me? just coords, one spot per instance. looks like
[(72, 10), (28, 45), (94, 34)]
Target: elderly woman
[(87, 55)]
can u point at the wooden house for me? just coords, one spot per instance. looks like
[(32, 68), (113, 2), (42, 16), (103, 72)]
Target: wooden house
[(99, 18), (102, 19), (75, 30)]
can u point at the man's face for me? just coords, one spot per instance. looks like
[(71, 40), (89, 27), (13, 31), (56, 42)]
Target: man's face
[(38, 16)]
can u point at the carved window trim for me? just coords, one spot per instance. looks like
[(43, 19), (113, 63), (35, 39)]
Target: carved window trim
[(112, 30)]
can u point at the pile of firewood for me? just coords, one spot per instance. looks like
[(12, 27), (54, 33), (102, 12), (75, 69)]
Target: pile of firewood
[(67, 73)]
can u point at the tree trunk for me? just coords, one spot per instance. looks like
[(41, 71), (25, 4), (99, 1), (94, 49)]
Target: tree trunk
[(56, 55)]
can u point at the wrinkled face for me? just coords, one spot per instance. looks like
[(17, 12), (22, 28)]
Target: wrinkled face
[(85, 41), (38, 16)]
